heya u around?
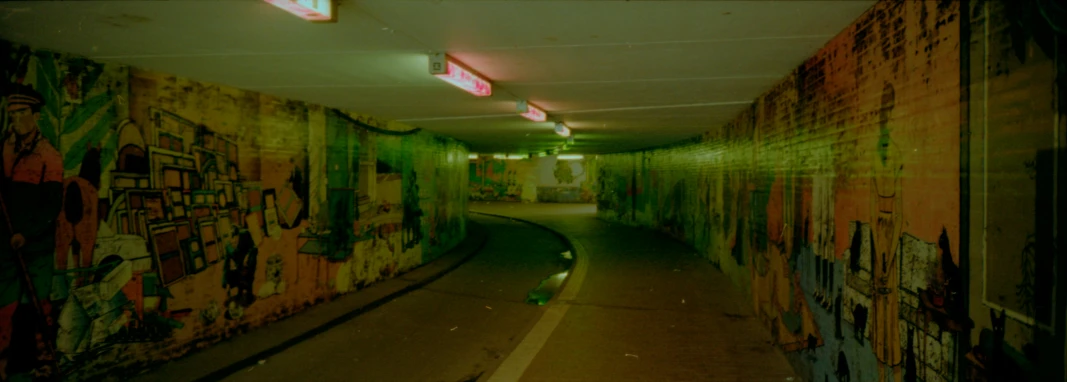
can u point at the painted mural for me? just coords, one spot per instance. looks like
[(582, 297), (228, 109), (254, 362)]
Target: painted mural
[(145, 215), (835, 200), (545, 179)]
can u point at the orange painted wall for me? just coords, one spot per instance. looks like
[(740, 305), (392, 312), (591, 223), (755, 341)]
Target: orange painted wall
[(783, 197)]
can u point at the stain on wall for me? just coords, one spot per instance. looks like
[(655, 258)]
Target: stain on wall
[(545, 179), (834, 201), (146, 215)]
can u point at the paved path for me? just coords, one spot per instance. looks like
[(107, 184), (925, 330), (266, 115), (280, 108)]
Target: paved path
[(648, 309)]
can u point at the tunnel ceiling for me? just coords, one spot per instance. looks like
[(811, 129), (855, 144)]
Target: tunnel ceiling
[(622, 74)]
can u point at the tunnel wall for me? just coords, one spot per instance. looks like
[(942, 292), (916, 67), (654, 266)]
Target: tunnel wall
[(544, 179), (886, 148), (191, 212)]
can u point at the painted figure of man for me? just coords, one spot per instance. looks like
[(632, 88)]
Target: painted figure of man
[(886, 225), (31, 189)]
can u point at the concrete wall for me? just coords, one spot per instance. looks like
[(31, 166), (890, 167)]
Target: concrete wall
[(544, 179), (835, 200), (162, 214)]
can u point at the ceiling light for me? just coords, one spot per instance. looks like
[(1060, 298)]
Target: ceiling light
[(443, 67), (311, 10), (570, 157), (500, 156), (562, 130), (516, 156), (472, 156), (531, 112)]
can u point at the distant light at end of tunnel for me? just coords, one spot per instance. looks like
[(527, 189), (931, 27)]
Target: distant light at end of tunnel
[(443, 67), (321, 11)]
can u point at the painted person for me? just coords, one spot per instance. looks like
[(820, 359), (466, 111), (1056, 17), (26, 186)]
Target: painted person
[(32, 191), (239, 271), (887, 223)]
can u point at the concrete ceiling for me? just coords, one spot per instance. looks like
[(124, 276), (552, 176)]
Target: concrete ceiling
[(622, 74)]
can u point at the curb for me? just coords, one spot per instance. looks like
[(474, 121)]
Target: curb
[(576, 248)]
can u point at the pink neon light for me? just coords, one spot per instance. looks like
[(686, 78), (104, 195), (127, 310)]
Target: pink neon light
[(465, 80), (299, 10), (534, 114)]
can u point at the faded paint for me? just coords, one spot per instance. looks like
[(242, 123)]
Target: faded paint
[(835, 200), (154, 215)]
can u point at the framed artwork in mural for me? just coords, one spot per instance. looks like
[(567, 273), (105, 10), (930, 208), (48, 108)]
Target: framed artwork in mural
[(121, 180), (202, 211), (199, 197), (178, 203), (167, 250), (170, 166), (198, 262), (150, 202), (138, 224), (270, 214), (226, 195), (172, 142), (224, 227), (289, 206), (210, 238)]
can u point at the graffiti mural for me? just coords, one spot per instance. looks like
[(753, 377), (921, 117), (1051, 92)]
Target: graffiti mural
[(545, 179), (835, 202), (146, 215)]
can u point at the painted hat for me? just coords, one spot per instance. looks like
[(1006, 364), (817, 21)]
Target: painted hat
[(20, 94)]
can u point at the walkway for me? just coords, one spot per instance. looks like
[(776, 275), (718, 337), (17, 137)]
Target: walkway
[(648, 309)]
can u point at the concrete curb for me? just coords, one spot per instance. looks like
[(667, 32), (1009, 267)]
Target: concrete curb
[(567, 293), (320, 320), (514, 366)]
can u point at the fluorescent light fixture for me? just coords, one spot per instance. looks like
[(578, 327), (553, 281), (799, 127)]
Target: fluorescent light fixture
[(570, 157), (562, 130), (500, 156), (443, 67), (472, 156), (531, 112), (321, 11), (516, 157)]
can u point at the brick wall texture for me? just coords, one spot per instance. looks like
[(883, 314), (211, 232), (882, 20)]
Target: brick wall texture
[(835, 200)]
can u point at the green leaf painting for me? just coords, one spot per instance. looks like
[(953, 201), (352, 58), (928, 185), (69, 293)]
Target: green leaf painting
[(71, 126)]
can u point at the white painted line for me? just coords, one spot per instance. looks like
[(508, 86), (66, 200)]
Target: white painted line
[(513, 367)]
